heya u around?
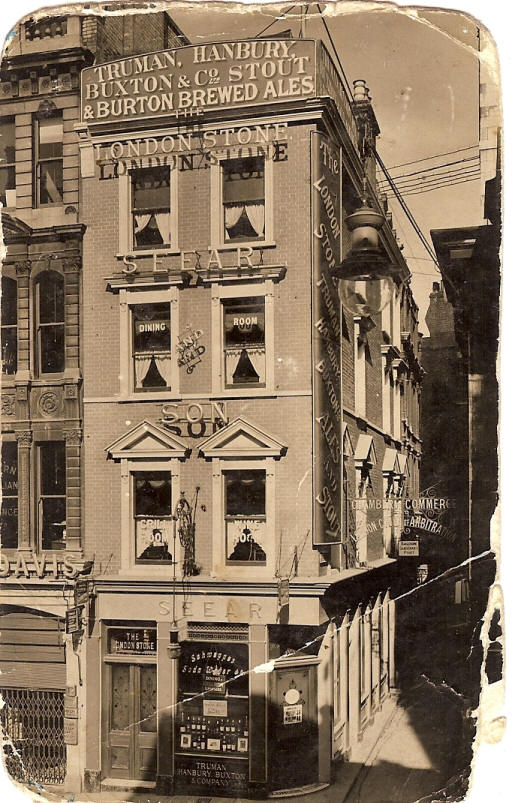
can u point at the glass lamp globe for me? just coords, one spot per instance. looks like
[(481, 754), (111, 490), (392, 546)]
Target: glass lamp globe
[(365, 283)]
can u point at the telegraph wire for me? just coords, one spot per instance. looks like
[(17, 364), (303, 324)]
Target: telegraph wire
[(447, 176), (440, 186), (435, 156), (347, 85), (276, 19), (437, 167)]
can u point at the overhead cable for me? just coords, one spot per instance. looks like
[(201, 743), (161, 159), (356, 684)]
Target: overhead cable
[(276, 19), (435, 156), (437, 167), (347, 85)]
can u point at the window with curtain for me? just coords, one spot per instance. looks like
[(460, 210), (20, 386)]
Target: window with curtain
[(7, 161), (9, 510), (244, 514), (50, 324), (9, 326), (243, 198), (48, 153), (151, 346), (152, 492), (52, 495), (244, 342), (151, 207)]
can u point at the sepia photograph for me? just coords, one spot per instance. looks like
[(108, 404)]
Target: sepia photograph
[(250, 326)]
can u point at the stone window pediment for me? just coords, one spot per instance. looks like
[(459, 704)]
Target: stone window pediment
[(147, 441), (240, 439)]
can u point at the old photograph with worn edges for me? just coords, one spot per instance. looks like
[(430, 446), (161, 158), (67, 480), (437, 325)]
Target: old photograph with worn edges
[(249, 329)]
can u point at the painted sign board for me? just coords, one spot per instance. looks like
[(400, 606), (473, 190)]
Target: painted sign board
[(409, 548), (191, 80), (70, 731), (73, 620), (213, 776), (327, 396), (132, 640)]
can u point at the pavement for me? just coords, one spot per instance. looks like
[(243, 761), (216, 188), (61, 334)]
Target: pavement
[(412, 752)]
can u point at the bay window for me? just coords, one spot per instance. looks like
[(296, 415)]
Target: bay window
[(7, 161), (244, 342), (243, 198), (151, 333), (50, 323), (52, 495), (152, 494), (9, 510), (245, 515), (151, 207), (48, 159), (9, 326)]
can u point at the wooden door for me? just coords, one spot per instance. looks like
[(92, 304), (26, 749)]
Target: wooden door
[(294, 728), (132, 737)]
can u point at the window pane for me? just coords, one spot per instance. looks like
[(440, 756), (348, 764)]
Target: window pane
[(9, 509), (7, 140), (7, 182), (153, 493), (244, 321), (51, 134), (245, 493), (53, 535), (9, 301), (50, 182), (150, 189), (243, 179), (9, 350), (148, 699), (51, 298), (52, 349), (53, 468), (151, 327)]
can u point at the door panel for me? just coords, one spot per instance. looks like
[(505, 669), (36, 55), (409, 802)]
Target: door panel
[(132, 721)]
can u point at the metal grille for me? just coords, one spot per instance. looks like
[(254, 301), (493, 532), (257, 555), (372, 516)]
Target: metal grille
[(34, 721), (222, 632)]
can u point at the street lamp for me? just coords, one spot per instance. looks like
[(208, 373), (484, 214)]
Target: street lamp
[(365, 276)]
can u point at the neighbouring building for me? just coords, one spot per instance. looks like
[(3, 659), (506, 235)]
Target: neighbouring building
[(210, 456), (41, 525)]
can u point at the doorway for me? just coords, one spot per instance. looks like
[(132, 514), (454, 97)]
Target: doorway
[(132, 721)]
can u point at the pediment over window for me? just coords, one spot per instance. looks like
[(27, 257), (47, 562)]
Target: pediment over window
[(14, 229), (241, 439), (147, 441)]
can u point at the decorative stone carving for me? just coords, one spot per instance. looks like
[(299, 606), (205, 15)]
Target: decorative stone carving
[(70, 391), (73, 437), (8, 405), (22, 392), (72, 264), (24, 438), (23, 268), (49, 403)]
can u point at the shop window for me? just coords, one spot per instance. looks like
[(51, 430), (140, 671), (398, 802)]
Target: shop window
[(153, 516), (7, 161), (48, 159), (151, 346), (50, 323), (244, 342), (151, 207), (243, 198), (52, 495), (9, 326), (9, 510), (245, 508)]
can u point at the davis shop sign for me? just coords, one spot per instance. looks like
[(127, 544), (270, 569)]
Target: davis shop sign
[(327, 397)]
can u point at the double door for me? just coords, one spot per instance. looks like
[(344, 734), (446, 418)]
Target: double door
[(132, 721)]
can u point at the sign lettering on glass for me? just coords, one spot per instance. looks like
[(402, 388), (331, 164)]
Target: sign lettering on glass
[(408, 548), (193, 79), (132, 641), (327, 400), (292, 714), (153, 535)]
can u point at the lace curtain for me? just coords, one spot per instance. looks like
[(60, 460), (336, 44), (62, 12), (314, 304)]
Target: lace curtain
[(255, 212), (143, 362), (256, 355), (163, 222)]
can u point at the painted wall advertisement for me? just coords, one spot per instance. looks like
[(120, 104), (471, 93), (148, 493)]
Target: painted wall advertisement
[(327, 396)]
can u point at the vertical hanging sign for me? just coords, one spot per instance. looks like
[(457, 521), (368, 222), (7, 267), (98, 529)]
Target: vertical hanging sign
[(327, 396)]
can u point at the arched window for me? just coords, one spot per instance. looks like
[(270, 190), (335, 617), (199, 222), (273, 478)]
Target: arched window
[(50, 322), (9, 326)]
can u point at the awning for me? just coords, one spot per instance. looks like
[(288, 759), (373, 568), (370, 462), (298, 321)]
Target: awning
[(348, 448), (403, 464), (365, 451), (390, 464)]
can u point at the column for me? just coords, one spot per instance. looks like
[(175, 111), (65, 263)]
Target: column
[(24, 439), (354, 680), (73, 490), (72, 267), (391, 642), (23, 277), (344, 680), (167, 707), (91, 735), (258, 695)]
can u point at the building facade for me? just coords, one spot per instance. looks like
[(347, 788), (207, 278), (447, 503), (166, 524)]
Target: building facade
[(247, 446)]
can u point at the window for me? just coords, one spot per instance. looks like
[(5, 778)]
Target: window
[(151, 207), (153, 516), (246, 532), (9, 326), (7, 162), (48, 152), (151, 332), (50, 323), (9, 513), (244, 342), (243, 199), (52, 495)]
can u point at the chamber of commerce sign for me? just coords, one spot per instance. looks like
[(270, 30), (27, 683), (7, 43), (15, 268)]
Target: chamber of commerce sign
[(327, 401)]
